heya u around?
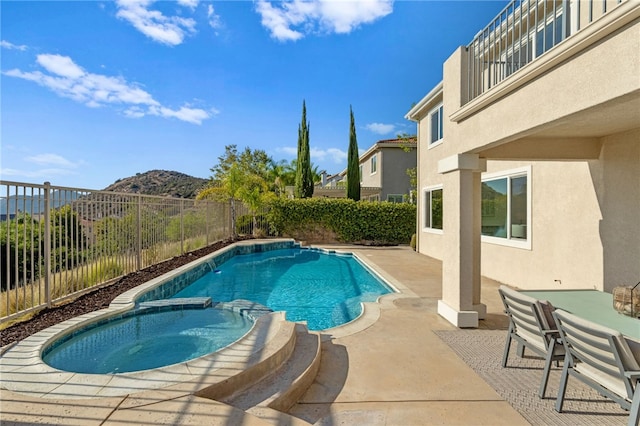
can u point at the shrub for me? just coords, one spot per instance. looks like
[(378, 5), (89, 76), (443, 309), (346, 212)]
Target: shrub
[(359, 222)]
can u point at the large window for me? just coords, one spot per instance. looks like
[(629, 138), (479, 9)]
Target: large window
[(436, 119), (374, 164), (505, 206), (395, 198), (433, 208), (360, 172)]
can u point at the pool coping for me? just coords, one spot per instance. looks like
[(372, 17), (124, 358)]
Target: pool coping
[(23, 370)]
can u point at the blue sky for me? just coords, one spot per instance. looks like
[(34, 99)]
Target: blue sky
[(95, 91)]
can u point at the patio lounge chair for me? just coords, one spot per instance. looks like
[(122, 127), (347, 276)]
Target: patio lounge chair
[(533, 327), (601, 358)]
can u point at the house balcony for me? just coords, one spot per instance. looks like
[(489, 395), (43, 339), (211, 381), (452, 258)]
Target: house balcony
[(523, 33)]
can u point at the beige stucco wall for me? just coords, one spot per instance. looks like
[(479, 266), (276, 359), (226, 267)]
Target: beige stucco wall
[(368, 178), (565, 244), (585, 223), (618, 193)]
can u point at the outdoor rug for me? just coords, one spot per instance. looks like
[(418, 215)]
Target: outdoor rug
[(518, 383)]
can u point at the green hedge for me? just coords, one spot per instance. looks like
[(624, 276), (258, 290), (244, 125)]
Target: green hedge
[(352, 222)]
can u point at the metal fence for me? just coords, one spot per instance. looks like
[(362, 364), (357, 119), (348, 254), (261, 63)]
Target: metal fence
[(56, 242), (523, 31)]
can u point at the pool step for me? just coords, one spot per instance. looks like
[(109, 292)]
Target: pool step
[(178, 303), (284, 387), (269, 345)]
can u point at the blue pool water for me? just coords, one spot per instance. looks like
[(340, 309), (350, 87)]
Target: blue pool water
[(146, 340), (309, 285), (323, 289)]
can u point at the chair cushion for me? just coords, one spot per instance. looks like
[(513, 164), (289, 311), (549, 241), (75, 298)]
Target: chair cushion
[(614, 384), (535, 340)]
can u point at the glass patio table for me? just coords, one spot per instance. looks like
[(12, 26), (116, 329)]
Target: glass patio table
[(592, 305)]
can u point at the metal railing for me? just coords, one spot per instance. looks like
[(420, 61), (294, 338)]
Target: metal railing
[(56, 242), (523, 31)]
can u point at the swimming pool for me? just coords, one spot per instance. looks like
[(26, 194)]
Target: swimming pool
[(147, 339), (270, 340), (324, 289), (168, 325)]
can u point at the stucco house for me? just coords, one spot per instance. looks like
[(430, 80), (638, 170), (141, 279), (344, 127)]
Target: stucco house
[(383, 173), (384, 165), (529, 154)]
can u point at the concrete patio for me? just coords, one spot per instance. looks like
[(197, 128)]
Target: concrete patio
[(397, 371)]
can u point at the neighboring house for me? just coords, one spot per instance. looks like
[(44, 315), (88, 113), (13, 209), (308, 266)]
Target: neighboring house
[(529, 154), (332, 181), (385, 165), (383, 173)]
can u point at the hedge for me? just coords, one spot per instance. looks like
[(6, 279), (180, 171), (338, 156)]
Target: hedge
[(360, 222)]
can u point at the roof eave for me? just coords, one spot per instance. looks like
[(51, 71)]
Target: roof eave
[(420, 108)]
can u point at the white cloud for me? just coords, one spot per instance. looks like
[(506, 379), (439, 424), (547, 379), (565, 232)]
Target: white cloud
[(190, 115), (6, 45), (214, 19), (52, 165), (37, 174), (170, 30), (51, 159), (61, 65), (292, 20), (380, 128), (317, 154), (69, 80), (334, 154), (191, 4), (288, 150)]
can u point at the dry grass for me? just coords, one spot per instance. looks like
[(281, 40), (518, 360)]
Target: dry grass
[(31, 296)]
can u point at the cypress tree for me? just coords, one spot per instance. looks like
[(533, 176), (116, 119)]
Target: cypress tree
[(353, 163), (304, 179)]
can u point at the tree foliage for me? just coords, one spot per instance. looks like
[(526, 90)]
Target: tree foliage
[(412, 172), (22, 245), (254, 162), (304, 179), (353, 162), (15, 266), (246, 176)]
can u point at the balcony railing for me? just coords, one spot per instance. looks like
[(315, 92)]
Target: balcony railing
[(522, 32), (57, 242)]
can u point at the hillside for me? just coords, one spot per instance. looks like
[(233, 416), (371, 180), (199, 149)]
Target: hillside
[(160, 182)]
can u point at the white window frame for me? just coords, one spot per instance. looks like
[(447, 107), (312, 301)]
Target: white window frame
[(439, 109), (510, 242), (426, 206), (360, 172), (374, 164), (396, 196)]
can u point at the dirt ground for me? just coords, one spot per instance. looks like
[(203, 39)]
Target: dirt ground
[(101, 297)]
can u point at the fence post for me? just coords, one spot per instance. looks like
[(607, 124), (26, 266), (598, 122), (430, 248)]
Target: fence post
[(206, 222), (181, 226), (139, 234), (47, 242)]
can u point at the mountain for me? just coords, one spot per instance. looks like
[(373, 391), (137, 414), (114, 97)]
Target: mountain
[(160, 182), (155, 182), (34, 204)]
